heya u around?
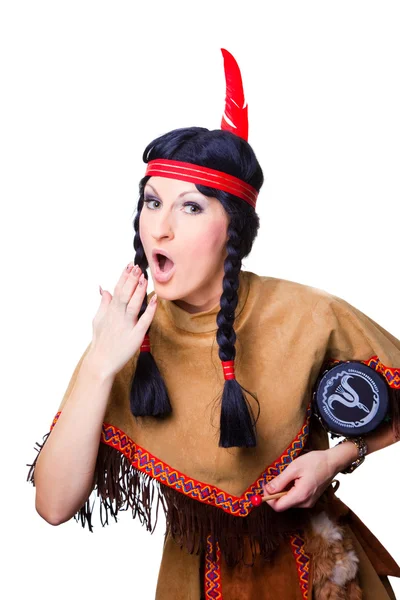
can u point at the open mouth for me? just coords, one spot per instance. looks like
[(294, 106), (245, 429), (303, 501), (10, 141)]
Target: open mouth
[(164, 263)]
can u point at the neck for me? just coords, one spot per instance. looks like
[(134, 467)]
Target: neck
[(196, 308), (203, 321), (204, 299)]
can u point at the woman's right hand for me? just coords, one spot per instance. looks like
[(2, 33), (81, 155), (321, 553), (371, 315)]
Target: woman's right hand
[(117, 331)]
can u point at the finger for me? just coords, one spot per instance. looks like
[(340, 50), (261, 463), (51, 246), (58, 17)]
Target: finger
[(130, 286), (122, 279), (282, 480), (105, 301), (145, 320), (272, 503), (135, 303), (292, 498)]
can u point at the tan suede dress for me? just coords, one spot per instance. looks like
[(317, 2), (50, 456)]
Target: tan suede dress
[(286, 332)]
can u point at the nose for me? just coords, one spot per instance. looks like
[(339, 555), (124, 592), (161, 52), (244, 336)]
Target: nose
[(161, 226)]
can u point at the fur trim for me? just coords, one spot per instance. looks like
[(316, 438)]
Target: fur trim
[(345, 568), (335, 562), (322, 525)]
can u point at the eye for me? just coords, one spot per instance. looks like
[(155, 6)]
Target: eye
[(196, 206), (148, 200)]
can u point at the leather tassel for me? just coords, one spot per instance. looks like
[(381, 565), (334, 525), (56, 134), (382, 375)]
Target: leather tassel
[(235, 118), (190, 522), (120, 486)]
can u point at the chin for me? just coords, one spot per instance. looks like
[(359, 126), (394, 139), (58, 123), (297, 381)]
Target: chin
[(165, 290)]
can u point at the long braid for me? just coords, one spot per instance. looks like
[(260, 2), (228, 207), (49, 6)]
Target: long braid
[(231, 154), (237, 419), (148, 393), (140, 256)]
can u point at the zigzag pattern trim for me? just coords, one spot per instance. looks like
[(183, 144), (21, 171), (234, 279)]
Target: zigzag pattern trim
[(303, 562), (241, 506), (212, 573), (391, 374)]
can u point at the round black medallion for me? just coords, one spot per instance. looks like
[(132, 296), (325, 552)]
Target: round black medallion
[(351, 399)]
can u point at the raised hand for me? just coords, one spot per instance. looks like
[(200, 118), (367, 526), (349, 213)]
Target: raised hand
[(117, 331)]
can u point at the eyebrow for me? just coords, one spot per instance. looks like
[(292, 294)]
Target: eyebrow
[(180, 195)]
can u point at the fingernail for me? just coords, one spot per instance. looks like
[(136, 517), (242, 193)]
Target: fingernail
[(129, 266), (101, 290), (270, 487)]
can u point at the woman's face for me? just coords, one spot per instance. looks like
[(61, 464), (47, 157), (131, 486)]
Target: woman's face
[(192, 230)]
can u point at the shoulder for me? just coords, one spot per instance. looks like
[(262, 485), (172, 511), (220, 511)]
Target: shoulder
[(285, 291)]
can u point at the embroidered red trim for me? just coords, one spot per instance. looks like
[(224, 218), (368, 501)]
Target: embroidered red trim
[(303, 562), (391, 374), (146, 462), (212, 573)]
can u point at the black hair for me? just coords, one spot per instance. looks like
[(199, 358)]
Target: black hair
[(224, 151)]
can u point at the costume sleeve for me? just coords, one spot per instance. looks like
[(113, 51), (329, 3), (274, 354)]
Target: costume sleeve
[(67, 394), (72, 380), (117, 483), (355, 336)]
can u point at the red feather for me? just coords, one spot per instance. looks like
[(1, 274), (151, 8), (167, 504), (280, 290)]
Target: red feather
[(235, 110)]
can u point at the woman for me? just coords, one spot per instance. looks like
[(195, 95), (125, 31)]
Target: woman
[(192, 395)]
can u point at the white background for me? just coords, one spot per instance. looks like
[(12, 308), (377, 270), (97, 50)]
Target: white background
[(85, 86)]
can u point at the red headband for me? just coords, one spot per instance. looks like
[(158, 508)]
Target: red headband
[(184, 171), (235, 119)]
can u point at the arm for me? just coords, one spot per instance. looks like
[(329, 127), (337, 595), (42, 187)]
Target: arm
[(314, 471), (65, 467), (352, 335), (342, 456)]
